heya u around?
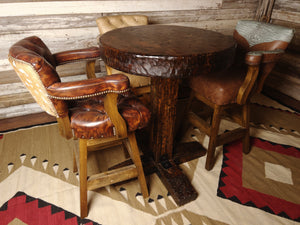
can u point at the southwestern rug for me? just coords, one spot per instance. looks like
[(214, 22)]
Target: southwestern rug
[(38, 186)]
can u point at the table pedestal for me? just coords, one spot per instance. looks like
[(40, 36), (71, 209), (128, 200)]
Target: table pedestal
[(164, 98), (167, 53), (164, 93)]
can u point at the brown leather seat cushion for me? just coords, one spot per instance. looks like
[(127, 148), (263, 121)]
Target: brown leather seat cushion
[(219, 88), (89, 119)]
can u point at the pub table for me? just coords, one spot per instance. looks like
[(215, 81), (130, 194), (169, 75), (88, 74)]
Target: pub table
[(167, 54)]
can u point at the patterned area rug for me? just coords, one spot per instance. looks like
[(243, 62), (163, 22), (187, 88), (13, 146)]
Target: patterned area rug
[(260, 178), (38, 162), (24, 209)]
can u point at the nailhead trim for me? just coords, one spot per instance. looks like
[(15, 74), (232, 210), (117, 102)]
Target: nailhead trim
[(90, 95)]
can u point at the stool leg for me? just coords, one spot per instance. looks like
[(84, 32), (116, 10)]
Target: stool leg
[(90, 69), (213, 137), (83, 177), (75, 168), (135, 156), (246, 121), (184, 125)]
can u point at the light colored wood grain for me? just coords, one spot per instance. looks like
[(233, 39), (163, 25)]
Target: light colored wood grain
[(285, 84), (287, 5), (111, 177), (286, 15), (77, 7), (20, 110), (60, 40), (15, 99)]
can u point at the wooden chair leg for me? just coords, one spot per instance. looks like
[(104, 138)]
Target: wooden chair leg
[(83, 177), (184, 125), (135, 156), (90, 69), (213, 138), (245, 123), (125, 150), (75, 168)]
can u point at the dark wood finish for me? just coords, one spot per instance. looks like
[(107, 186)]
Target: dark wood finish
[(18, 122), (282, 98), (176, 182), (166, 51), (167, 54), (213, 137), (164, 97)]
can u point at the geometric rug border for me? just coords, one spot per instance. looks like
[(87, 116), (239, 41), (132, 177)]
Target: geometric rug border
[(21, 204), (222, 190)]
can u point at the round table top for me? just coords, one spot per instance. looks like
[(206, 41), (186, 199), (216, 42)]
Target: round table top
[(166, 50)]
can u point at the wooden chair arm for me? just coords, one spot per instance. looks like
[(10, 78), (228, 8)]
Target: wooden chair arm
[(117, 83), (268, 62), (86, 54), (253, 60), (111, 108)]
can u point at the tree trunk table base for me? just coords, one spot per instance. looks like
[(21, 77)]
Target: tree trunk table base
[(175, 181), (167, 54)]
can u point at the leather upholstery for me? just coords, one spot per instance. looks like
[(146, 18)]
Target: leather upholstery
[(76, 55), (82, 100), (89, 119), (108, 23), (29, 56), (222, 88)]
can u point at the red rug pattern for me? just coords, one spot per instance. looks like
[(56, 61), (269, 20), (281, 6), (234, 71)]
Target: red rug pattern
[(231, 187), (35, 211)]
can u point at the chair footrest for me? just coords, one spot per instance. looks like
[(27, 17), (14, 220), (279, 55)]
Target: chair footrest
[(111, 177), (230, 136), (199, 122)]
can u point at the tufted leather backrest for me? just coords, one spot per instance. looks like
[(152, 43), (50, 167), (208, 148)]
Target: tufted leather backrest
[(108, 23), (35, 66), (259, 36)]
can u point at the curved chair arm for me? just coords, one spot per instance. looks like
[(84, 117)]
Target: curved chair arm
[(259, 62), (269, 59), (117, 83), (253, 60), (86, 54), (111, 108)]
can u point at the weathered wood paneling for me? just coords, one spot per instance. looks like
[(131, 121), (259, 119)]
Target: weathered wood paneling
[(73, 7), (286, 76), (65, 25)]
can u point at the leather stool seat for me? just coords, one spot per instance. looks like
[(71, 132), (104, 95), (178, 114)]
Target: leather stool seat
[(100, 108), (259, 46), (90, 121), (219, 88)]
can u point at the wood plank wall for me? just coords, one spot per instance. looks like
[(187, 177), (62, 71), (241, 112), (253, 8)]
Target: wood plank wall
[(65, 25), (285, 78)]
